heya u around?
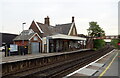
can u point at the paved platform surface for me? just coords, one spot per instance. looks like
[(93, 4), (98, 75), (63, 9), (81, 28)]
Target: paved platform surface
[(111, 67), (99, 66), (87, 71), (33, 56)]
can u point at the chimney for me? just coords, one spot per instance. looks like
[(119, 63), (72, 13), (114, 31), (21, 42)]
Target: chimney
[(72, 19), (47, 21)]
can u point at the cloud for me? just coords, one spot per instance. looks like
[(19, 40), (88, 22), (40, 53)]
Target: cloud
[(14, 12)]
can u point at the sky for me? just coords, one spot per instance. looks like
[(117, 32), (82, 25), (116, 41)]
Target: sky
[(15, 12)]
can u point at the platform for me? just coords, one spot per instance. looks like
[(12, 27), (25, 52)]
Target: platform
[(99, 66), (34, 56), (111, 68)]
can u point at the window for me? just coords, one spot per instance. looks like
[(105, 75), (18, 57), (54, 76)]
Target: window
[(35, 38)]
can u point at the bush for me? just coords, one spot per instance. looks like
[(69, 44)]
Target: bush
[(99, 43), (114, 42)]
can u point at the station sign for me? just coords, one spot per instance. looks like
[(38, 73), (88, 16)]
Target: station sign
[(13, 47), (119, 44)]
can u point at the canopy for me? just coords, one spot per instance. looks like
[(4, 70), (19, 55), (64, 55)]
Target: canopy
[(61, 36)]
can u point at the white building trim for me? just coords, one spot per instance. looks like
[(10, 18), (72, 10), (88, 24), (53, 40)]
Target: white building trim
[(38, 27), (34, 35), (44, 42), (71, 28)]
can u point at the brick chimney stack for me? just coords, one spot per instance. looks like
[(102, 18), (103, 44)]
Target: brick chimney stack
[(47, 21), (73, 19)]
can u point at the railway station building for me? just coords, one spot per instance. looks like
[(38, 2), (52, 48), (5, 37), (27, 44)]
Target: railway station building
[(45, 38), (59, 38)]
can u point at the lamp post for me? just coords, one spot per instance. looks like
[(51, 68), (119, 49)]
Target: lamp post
[(22, 33), (23, 39)]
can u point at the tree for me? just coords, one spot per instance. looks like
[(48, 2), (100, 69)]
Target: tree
[(94, 30), (99, 43)]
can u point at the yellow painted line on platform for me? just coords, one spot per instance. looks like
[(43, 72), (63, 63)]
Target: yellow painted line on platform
[(107, 67)]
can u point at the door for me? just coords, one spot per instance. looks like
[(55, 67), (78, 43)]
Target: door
[(35, 46)]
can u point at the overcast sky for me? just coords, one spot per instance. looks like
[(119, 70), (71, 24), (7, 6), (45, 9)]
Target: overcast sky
[(15, 12)]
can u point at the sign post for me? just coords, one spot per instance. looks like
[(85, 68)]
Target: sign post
[(118, 45)]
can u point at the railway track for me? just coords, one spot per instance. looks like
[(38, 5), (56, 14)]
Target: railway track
[(66, 68), (63, 68), (88, 60)]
